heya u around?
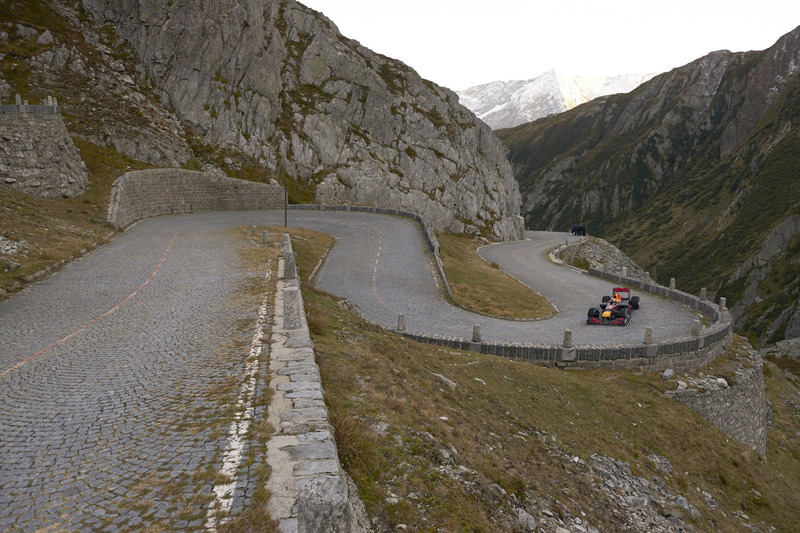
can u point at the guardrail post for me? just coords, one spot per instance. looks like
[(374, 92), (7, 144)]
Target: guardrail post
[(253, 231), (703, 294), (624, 272), (672, 284), (264, 236), (401, 323), (722, 302), (568, 353), (289, 265), (475, 344)]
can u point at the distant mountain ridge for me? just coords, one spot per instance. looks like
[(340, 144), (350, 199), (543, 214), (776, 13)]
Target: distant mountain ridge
[(693, 175), (505, 104)]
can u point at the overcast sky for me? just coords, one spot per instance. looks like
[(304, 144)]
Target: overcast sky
[(462, 43)]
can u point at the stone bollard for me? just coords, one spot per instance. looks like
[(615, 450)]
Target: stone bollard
[(18, 100), (322, 505), (703, 294), (264, 236), (672, 284), (624, 272), (696, 327), (648, 335), (348, 206), (292, 307), (401, 323), (568, 354), (567, 342), (476, 333), (289, 265), (253, 231), (722, 302)]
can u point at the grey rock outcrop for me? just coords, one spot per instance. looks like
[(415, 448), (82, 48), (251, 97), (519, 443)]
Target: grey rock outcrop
[(277, 81), (107, 104)]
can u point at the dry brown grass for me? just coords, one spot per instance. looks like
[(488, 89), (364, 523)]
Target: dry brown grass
[(482, 287), (517, 425)]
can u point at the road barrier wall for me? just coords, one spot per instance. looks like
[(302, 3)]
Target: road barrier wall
[(689, 352), (141, 194), (309, 489)]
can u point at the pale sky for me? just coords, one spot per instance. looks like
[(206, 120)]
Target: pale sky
[(462, 43)]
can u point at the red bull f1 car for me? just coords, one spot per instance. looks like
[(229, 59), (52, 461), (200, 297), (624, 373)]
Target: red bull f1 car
[(615, 310)]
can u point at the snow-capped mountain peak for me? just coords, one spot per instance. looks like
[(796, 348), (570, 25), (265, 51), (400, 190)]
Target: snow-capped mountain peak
[(504, 104)]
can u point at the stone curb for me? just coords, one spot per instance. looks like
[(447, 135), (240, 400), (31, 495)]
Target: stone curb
[(308, 487)]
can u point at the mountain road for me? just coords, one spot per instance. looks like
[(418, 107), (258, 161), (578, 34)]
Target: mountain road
[(107, 366)]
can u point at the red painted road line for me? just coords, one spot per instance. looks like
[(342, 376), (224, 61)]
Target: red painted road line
[(99, 318)]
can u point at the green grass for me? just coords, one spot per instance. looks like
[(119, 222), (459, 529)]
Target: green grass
[(482, 287)]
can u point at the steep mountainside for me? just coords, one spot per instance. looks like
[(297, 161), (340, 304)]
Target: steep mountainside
[(277, 82), (505, 104), (693, 174)]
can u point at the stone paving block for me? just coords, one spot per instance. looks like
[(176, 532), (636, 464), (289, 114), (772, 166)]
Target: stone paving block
[(308, 468)]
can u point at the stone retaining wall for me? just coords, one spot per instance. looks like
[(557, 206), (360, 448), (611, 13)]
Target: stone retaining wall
[(145, 193), (685, 353), (739, 410), (37, 155)]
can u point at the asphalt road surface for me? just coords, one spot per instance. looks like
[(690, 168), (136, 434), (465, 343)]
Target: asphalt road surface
[(108, 369)]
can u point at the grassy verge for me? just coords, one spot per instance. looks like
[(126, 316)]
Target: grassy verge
[(484, 288), (255, 517), (464, 459), (55, 230)]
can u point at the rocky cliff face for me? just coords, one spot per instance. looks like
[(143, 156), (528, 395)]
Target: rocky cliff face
[(277, 81), (691, 174)]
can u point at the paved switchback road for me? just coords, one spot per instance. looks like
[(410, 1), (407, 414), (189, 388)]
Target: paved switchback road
[(109, 369), (380, 265)]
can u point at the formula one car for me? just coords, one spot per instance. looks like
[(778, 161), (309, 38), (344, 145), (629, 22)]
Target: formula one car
[(614, 310)]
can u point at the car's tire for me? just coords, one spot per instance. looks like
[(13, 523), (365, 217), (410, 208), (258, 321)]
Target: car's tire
[(594, 312), (635, 302)]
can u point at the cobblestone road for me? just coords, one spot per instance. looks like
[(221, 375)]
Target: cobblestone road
[(116, 373), (117, 423)]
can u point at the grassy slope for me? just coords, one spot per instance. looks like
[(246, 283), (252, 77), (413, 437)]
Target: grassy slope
[(511, 424), (484, 288)]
